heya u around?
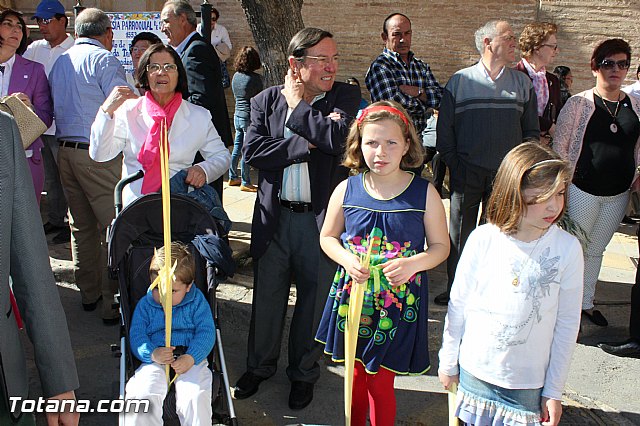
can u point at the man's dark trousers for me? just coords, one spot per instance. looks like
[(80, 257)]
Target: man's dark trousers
[(294, 252), (467, 193)]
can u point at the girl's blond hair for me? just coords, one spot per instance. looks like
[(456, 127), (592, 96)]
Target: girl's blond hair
[(353, 157), (527, 166)]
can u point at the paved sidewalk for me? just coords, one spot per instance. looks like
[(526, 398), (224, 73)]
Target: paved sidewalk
[(601, 389)]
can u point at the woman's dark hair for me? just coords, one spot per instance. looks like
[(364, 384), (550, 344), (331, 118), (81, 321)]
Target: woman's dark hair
[(215, 12), (561, 71), (24, 42), (608, 48), (141, 71), (247, 60), (144, 35)]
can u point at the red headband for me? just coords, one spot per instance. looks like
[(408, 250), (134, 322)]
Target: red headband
[(392, 110)]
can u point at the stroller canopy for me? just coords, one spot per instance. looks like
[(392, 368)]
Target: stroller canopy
[(141, 221)]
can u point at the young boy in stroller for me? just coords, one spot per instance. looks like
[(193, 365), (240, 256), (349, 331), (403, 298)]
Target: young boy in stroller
[(192, 339)]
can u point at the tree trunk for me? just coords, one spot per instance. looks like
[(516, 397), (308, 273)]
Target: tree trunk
[(273, 23)]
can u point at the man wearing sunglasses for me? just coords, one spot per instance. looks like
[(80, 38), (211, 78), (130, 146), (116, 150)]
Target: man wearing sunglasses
[(52, 21)]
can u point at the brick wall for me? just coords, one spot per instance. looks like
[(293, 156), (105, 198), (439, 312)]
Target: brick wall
[(443, 29)]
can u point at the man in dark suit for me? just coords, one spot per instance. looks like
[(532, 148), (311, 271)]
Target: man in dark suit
[(296, 141), (24, 257), (201, 62)]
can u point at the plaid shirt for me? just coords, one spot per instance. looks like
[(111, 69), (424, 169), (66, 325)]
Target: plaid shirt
[(389, 71)]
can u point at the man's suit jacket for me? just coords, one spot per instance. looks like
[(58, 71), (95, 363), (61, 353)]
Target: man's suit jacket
[(24, 256), (205, 83), (29, 78), (270, 152)]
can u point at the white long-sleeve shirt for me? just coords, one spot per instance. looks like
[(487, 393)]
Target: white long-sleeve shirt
[(515, 336), (190, 132)]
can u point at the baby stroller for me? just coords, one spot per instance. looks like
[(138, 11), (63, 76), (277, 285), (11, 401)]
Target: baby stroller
[(134, 234)]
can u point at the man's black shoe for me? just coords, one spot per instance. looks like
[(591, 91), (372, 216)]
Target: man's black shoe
[(50, 228), (91, 306), (301, 395), (64, 236), (247, 385), (629, 348), (442, 299)]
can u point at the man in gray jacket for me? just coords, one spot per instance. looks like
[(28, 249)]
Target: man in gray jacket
[(24, 257)]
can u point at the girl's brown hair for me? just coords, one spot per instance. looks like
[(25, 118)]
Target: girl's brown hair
[(527, 166), (185, 269), (353, 157)]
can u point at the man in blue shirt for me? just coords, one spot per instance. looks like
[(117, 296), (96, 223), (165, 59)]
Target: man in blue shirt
[(80, 81)]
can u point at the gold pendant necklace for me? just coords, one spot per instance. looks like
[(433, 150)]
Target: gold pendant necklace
[(613, 126), (516, 280)]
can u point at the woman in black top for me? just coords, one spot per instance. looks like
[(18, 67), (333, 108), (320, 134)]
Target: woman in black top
[(598, 132)]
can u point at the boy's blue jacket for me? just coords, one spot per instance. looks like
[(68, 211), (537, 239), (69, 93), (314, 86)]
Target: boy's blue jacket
[(192, 326)]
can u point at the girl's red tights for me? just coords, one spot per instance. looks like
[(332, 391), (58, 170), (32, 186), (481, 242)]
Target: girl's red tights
[(375, 390)]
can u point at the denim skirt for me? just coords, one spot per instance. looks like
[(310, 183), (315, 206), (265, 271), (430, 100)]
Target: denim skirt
[(483, 404)]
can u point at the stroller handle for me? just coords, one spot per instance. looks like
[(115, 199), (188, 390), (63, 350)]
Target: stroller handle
[(117, 192)]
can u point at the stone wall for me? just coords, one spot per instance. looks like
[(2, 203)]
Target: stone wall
[(443, 29)]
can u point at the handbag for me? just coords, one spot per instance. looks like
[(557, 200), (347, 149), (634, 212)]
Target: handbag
[(29, 124), (223, 51)]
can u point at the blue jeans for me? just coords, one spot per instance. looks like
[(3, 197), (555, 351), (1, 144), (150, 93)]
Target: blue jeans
[(241, 125)]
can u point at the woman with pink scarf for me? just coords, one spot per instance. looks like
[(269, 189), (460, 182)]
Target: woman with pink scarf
[(130, 124), (539, 48)]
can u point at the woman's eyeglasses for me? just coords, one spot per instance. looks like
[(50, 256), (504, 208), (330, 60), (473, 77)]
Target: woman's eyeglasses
[(155, 68), (553, 47), (608, 64)]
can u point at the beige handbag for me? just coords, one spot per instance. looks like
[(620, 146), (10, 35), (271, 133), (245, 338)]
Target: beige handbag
[(29, 124), (223, 51)]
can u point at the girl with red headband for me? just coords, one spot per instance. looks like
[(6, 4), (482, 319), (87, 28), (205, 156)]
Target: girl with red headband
[(396, 221)]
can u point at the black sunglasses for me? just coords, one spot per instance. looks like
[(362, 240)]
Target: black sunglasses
[(608, 64)]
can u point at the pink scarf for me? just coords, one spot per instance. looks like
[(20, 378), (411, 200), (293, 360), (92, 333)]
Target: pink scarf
[(149, 155), (539, 79)]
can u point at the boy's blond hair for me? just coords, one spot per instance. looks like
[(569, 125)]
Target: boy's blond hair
[(185, 269), (527, 166)]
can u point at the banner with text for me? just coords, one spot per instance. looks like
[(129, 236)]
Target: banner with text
[(126, 25)]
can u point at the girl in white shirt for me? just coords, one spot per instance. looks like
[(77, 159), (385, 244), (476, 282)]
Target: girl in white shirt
[(514, 312)]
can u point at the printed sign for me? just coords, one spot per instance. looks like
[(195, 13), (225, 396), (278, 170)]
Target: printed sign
[(126, 25)]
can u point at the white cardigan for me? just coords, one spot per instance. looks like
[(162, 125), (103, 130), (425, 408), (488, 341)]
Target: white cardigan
[(191, 131), (515, 337)]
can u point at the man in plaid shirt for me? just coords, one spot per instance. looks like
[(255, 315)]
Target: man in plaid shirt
[(397, 75)]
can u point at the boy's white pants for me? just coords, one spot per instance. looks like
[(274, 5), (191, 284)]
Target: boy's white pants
[(193, 395)]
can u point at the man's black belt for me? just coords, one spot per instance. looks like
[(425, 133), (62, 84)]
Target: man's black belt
[(72, 144), (296, 206)]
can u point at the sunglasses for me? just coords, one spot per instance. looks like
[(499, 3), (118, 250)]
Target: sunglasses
[(608, 64)]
